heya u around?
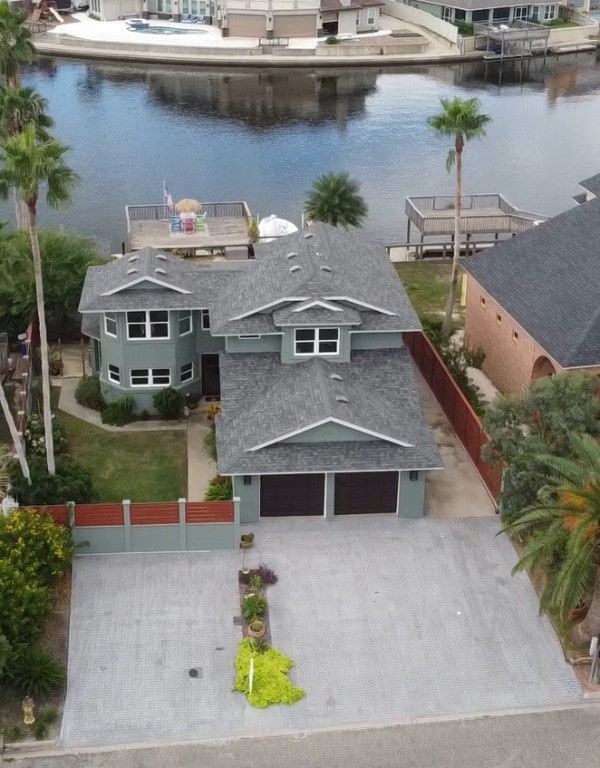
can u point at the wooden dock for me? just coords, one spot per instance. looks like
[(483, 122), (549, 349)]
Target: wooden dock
[(226, 226)]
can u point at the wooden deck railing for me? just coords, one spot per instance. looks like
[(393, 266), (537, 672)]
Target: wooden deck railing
[(211, 210)]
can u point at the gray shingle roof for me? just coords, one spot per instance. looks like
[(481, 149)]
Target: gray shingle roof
[(182, 286), (90, 325), (263, 400), (355, 268), (316, 316), (592, 184), (547, 279)]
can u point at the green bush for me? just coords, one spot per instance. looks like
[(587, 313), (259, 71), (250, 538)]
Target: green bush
[(4, 652), (40, 730), (210, 442), (465, 28), (253, 608), (36, 673), (35, 439), (270, 684), (88, 393), (24, 603), (55, 361), (219, 489), (72, 482), (119, 413), (168, 403), (13, 733), (48, 714), (332, 40)]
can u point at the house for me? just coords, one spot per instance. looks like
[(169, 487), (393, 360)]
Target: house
[(489, 11), (532, 302), (347, 17), (320, 412)]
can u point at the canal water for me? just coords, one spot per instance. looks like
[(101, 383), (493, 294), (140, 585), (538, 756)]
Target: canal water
[(264, 135)]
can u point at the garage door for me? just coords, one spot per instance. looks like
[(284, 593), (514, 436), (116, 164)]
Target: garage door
[(363, 493), (286, 495), (247, 25), (295, 26)]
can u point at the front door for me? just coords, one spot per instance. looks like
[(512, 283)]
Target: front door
[(210, 376)]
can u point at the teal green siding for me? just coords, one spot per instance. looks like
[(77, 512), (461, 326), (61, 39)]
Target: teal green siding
[(329, 433), (412, 495), (287, 347), (98, 540), (383, 340), (210, 536), (249, 496), (155, 538), (269, 343)]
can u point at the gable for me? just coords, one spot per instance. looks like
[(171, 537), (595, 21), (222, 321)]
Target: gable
[(144, 281), (329, 433)]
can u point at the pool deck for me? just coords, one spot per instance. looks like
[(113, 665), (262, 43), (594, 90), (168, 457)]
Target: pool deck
[(87, 38)]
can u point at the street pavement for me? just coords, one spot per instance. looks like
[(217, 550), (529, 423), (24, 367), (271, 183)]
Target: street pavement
[(565, 738)]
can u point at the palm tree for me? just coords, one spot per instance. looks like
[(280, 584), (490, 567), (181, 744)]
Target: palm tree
[(564, 539), (21, 106), (27, 162), (461, 119), (16, 46), (334, 199)]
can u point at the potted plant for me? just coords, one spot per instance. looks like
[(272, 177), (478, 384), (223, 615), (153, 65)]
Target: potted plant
[(254, 607), (256, 583), (579, 612), (257, 629), (246, 540)]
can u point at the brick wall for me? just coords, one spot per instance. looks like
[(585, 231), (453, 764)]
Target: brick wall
[(511, 354)]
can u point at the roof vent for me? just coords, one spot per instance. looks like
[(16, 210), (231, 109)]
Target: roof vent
[(335, 377), (308, 236), (291, 255), (161, 257), (132, 271), (295, 268), (133, 258), (160, 271), (342, 399), (325, 268)]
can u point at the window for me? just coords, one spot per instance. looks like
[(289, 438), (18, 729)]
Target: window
[(521, 13), (204, 319), (482, 300), (249, 336), (482, 15), (515, 335), (110, 325), (185, 322), (153, 324), (501, 14), (150, 377), (371, 16), (186, 372), (114, 373), (447, 14), (550, 12), (317, 341), (499, 318)]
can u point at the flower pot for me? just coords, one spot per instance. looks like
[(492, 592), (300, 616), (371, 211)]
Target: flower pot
[(257, 629), (579, 613), (245, 544)]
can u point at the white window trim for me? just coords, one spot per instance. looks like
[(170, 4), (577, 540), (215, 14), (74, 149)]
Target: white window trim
[(249, 336), (191, 374), (111, 375), (148, 324), (107, 316), (150, 378), (189, 314), (315, 342), (204, 313)]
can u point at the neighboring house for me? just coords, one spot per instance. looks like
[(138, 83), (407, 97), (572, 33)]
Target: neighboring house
[(532, 302), (492, 11), (320, 410), (255, 18)]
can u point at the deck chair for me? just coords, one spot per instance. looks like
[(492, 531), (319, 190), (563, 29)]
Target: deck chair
[(175, 224), (200, 223)]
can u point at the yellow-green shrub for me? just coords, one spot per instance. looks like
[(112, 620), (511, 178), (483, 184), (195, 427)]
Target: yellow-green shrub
[(270, 684)]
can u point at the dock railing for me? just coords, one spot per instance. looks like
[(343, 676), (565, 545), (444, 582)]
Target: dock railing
[(237, 209)]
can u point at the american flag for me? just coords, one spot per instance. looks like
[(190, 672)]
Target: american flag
[(168, 200)]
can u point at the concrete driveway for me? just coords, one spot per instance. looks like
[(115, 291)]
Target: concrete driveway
[(386, 619)]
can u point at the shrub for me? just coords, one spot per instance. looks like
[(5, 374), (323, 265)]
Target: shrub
[(212, 411), (253, 608), (219, 489), (465, 28), (266, 574), (35, 439), (55, 361), (256, 582), (24, 604), (332, 40), (35, 544), (4, 652), (210, 442), (119, 413), (48, 714), (168, 403), (88, 393), (40, 730), (13, 733), (271, 684), (72, 482), (36, 673)]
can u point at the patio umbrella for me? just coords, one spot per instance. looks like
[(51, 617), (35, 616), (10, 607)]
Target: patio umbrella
[(272, 226), (187, 205)]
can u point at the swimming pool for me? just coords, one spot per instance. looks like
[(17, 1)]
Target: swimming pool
[(595, 14), (156, 30)]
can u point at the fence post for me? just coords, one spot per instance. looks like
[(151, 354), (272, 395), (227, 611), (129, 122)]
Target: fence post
[(127, 523), (71, 514), (236, 520), (182, 529)]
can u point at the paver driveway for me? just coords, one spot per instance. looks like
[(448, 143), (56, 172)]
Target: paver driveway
[(386, 620)]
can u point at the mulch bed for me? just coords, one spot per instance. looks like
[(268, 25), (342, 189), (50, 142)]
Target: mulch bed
[(244, 591)]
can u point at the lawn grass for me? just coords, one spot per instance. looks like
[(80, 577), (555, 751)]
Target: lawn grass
[(140, 466), (427, 284)]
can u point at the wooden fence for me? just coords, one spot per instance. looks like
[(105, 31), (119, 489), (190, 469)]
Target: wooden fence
[(149, 527), (462, 417)]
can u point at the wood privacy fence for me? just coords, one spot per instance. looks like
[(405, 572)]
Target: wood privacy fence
[(464, 420), (150, 527)]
